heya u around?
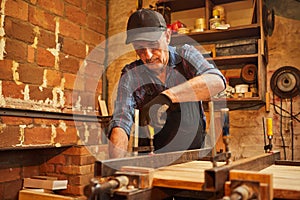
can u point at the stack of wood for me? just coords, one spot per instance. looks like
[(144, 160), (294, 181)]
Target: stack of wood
[(43, 188), (44, 184)]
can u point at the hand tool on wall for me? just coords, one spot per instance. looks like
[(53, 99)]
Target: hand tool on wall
[(225, 133), (269, 147), (212, 131)]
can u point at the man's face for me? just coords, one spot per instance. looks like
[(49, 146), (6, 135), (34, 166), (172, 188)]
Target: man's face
[(155, 55)]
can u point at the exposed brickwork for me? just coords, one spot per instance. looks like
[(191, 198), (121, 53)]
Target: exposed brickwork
[(5, 69), (10, 174), (69, 136), (37, 135), (9, 120), (16, 50), (70, 29), (17, 9), (19, 30), (10, 136), (68, 48), (46, 39), (45, 58), (31, 74), (53, 78), (41, 18), (54, 6), (69, 64), (76, 14), (12, 90), (96, 24), (37, 94), (92, 37), (30, 54)]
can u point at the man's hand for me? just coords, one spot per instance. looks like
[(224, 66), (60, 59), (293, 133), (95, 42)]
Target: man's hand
[(118, 143), (155, 111)]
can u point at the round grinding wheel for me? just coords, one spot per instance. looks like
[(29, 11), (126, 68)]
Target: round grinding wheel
[(248, 73), (285, 82)]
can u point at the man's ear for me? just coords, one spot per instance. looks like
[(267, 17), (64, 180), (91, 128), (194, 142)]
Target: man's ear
[(168, 35)]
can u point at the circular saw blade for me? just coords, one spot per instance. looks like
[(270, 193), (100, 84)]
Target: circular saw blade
[(285, 82)]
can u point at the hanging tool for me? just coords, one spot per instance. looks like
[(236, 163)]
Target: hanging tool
[(212, 131), (225, 133), (151, 136), (139, 4), (268, 147)]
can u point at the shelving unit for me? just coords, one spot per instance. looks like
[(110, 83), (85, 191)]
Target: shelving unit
[(247, 31), (244, 32), (179, 5), (233, 60)]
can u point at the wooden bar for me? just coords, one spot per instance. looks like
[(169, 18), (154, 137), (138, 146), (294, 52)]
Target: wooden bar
[(109, 167), (30, 195), (189, 176), (215, 178)]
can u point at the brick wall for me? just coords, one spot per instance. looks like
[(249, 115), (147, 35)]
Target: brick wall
[(61, 148), (44, 53), (52, 56)]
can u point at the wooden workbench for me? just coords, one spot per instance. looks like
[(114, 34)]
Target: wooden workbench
[(190, 176), (286, 181)]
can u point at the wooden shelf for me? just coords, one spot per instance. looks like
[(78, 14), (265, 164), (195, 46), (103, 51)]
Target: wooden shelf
[(246, 31), (236, 103), (234, 60), (181, 5)]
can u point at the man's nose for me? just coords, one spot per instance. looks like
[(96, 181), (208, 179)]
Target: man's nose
[(148, 53)]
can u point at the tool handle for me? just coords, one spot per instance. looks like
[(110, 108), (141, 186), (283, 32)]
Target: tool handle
[(225, 121), (269, 127)]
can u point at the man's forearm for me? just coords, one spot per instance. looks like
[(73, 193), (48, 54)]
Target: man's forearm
[(199, 88), (118, 143)]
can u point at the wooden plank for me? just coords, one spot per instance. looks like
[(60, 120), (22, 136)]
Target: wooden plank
[(286, 181), (109, 167), (30, 195), (103, 107), (188, 175), (48, 184)]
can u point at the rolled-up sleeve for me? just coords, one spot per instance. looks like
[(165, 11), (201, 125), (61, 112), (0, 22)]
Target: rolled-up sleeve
[(201, 65), (123, 106)]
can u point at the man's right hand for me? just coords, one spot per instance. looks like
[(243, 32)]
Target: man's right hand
[(155, 111), (118, 143)]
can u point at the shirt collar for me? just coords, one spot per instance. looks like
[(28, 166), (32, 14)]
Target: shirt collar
[(174, 57)]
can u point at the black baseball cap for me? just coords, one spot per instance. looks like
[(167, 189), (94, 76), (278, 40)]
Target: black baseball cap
[(145, 24)]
